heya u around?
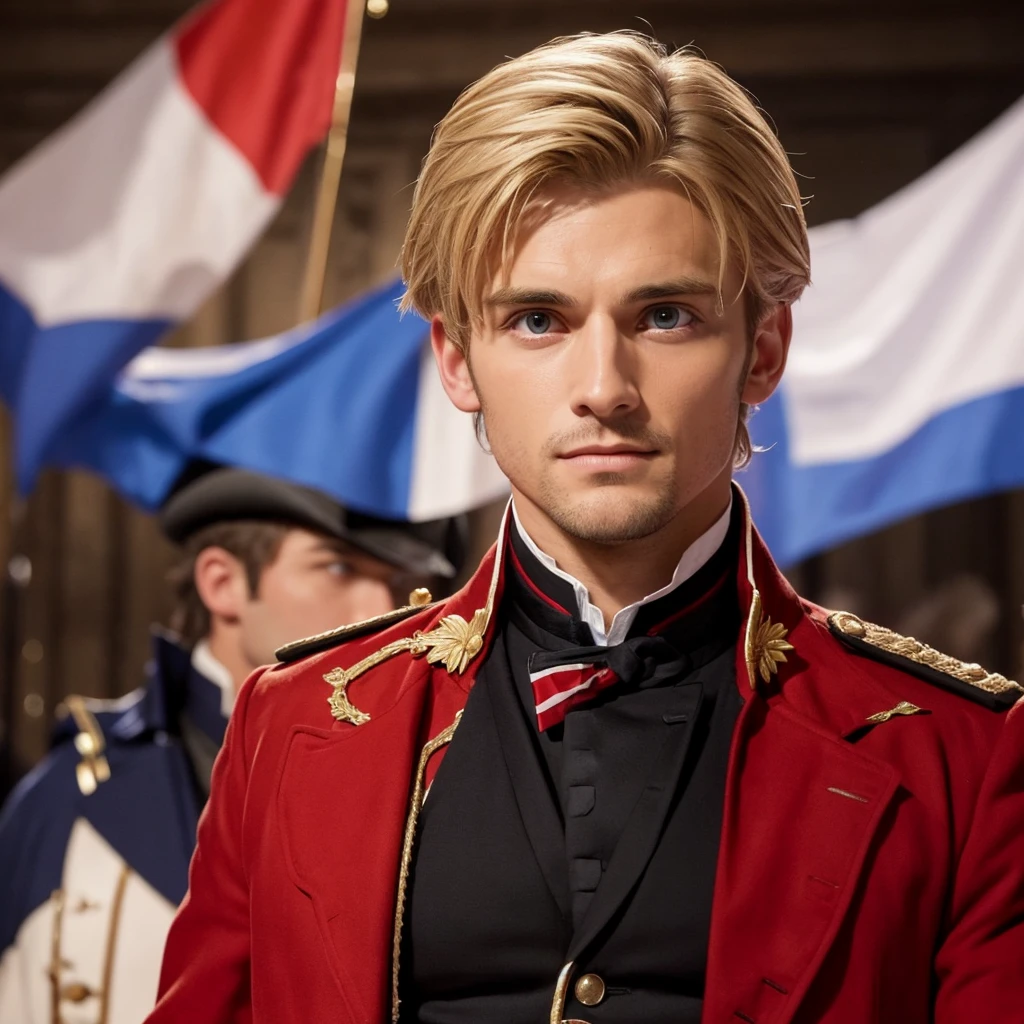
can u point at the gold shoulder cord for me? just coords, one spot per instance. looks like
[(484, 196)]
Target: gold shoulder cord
[(418, 599), (913, 650)]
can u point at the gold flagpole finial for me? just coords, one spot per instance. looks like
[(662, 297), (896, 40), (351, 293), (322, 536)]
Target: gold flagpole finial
[(311, 301)]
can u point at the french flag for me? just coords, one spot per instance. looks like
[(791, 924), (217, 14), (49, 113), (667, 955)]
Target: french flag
[(905, 384), (350, 404), (119, 225)]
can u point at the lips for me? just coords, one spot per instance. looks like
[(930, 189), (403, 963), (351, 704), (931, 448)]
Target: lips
[(619, 458), (604, 451)]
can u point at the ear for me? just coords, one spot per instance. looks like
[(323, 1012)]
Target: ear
[(453, 366), (221, 583), (771, 349)]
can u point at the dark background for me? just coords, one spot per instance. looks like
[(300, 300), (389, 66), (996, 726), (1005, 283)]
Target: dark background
[(865, 95)]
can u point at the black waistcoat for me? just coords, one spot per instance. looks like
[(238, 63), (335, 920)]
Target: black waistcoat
[(595, 841)]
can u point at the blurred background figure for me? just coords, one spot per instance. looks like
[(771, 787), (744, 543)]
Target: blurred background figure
[(95, 843)]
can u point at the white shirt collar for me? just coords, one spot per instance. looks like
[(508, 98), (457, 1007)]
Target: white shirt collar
[(694, 558), (207, 665)]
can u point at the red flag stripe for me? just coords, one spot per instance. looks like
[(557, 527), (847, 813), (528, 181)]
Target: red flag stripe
[(263, 72)]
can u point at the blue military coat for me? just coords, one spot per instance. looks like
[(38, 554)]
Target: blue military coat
[(91, 880)]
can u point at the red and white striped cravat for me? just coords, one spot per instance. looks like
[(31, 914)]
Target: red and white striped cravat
[(557, 689), (563, 679)]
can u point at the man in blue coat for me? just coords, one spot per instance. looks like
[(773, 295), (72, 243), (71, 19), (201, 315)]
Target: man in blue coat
[(95, 843)]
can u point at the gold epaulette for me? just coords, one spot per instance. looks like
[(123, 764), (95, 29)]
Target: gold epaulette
[(418, 600), (972, 681), (90, 744)]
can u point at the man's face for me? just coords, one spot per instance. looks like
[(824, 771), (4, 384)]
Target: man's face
[(314, 584), (609, 380)]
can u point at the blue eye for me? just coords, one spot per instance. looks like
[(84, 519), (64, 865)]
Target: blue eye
[(667, 318), (536, 322)]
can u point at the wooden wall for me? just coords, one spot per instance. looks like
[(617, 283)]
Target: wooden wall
[(866, 95)]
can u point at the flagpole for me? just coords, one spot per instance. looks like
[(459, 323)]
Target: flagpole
[(311, 301)]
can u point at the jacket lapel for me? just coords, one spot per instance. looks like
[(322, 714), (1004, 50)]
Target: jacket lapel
[(798, 827), (803, 810), (342, 803), (344, 792), (534, 799)]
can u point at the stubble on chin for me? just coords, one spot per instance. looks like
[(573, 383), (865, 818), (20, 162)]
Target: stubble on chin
[(606, 513)]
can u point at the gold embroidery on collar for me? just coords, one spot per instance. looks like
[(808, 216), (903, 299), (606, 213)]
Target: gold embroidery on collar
[(903, 708), (765, 643), (453, 642), (415, 806)]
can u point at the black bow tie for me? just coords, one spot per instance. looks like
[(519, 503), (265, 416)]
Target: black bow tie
[(563, 679)]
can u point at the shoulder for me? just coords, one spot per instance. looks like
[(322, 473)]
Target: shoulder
[(308, 670), (332, 638), (88, 737), (906, 654), (46, 793), (88, 728), (52, 794)]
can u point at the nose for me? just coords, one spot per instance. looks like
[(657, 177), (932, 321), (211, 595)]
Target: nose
[(603, 373)]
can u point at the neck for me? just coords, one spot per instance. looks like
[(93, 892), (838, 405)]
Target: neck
[(227, 649), (618, 575)]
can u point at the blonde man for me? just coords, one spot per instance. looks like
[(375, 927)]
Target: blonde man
[(661, 787)]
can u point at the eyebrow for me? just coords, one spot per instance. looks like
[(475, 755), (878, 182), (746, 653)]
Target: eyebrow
[(668, 289), (328, 546), (529, 297), (645, 293)]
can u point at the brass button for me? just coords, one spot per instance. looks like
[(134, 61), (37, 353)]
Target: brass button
[(76, 992), (590, 989), (420, 597)]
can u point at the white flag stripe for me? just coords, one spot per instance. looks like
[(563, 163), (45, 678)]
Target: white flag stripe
[(161, 364), (450, 470), (79, 210), (915, 307)]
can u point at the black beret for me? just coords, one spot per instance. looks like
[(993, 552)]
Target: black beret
[(222, 494)]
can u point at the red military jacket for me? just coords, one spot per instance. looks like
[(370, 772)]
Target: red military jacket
[(871, 866)]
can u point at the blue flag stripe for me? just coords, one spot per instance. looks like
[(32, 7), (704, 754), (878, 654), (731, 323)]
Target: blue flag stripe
[(333, 405), (51, 375), (967, 451)]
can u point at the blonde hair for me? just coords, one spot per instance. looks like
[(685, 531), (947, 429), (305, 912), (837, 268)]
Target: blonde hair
[(597, 112)]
